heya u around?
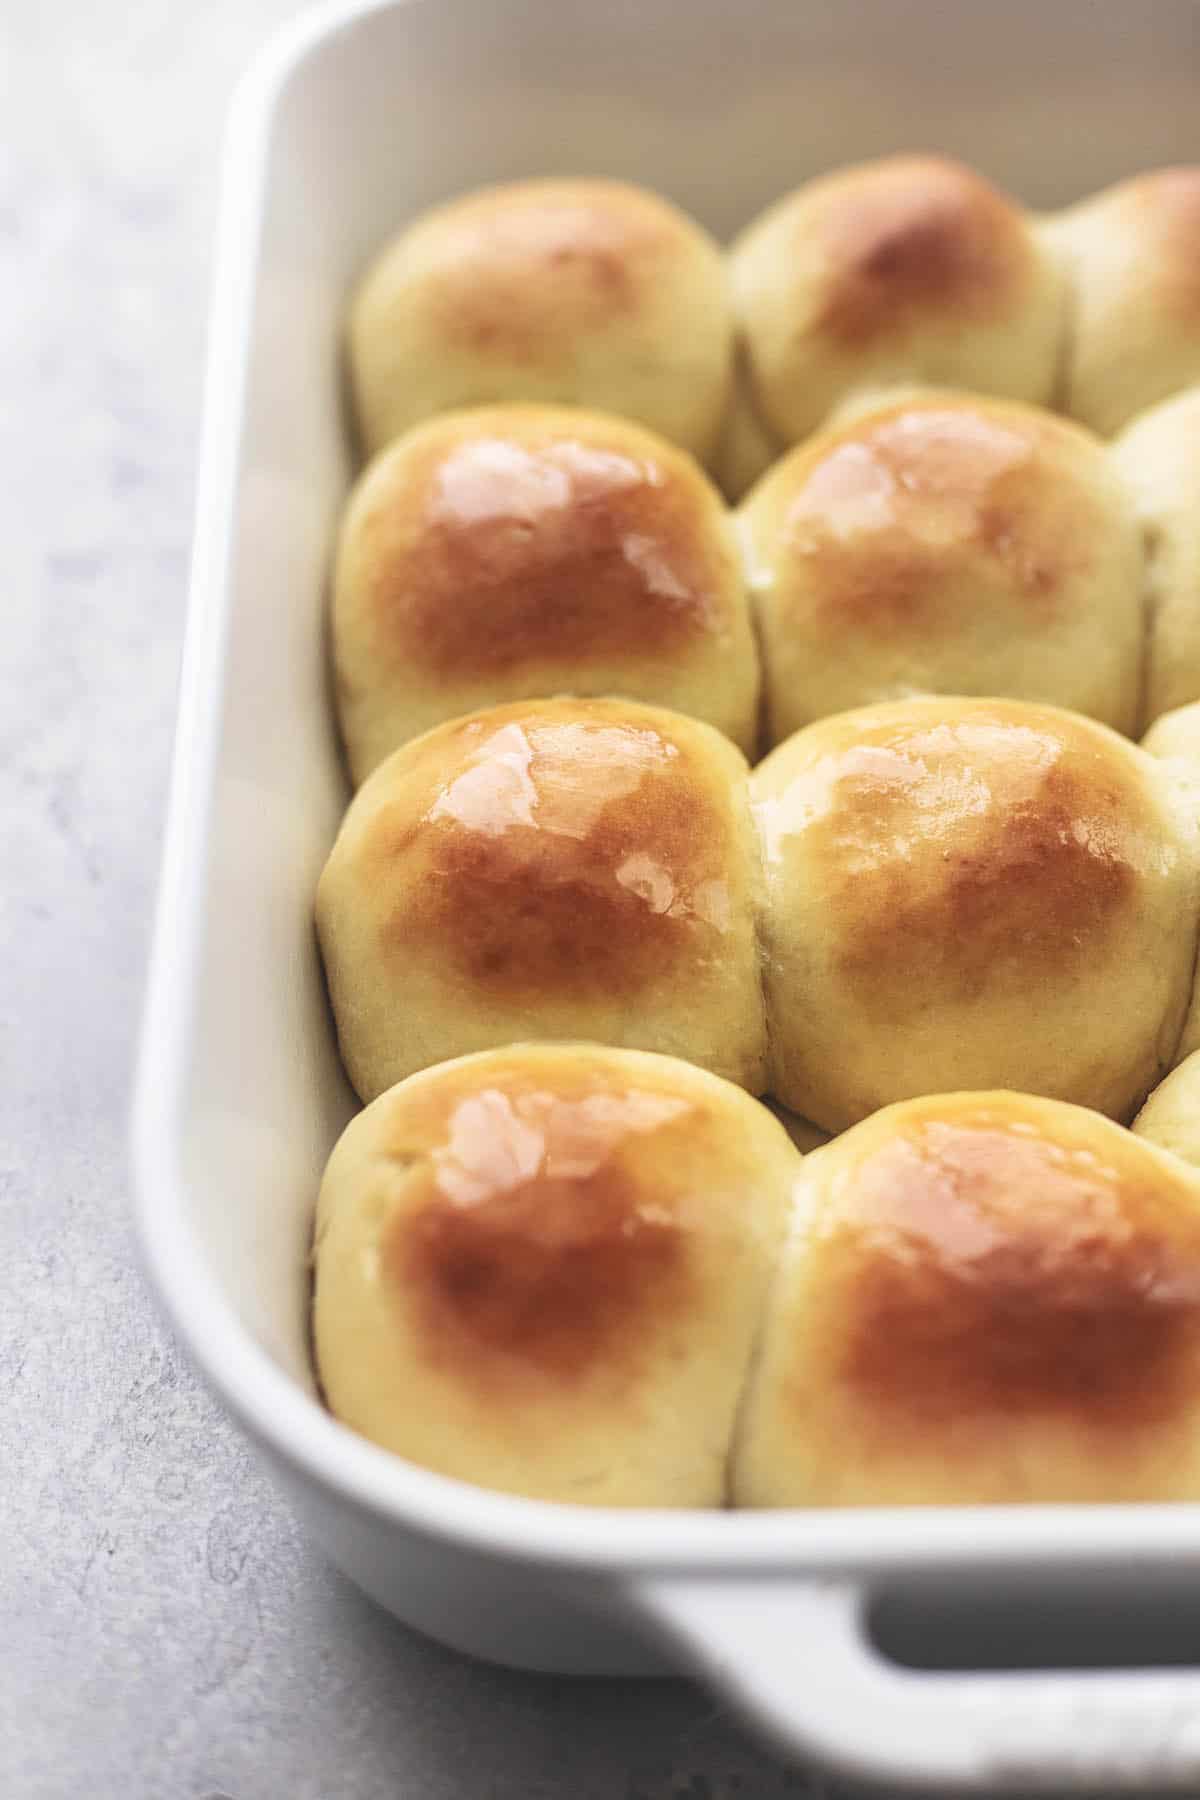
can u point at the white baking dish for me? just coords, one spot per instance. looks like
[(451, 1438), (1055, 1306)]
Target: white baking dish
[(350, 124)]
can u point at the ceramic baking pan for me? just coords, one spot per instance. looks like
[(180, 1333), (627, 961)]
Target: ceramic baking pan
[(814, 1622)]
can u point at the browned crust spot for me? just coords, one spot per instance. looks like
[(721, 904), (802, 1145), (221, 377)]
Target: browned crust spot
[(892, 511), (498, 553), (919, 239), (521, 273), (963, 861), (989, 1273), (537, 1250), (565, 861)]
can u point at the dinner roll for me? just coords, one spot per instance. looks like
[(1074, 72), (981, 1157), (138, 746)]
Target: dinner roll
[(971, 893), (984, 1298), (590, 293), (548, 869), (912, 268), (1133, 258), (1158, 457), (1171, 1116), (949, 544), (495, 554), (541, 1269)]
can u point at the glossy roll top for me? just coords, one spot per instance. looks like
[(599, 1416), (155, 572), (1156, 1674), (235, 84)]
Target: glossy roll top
[(602, 1277), (541, 1269), (550, 869), (983, 1298), (912, 268), (522, 550), (946, 543), (973, 893), (581, 292), (932, 542), (901, 900)]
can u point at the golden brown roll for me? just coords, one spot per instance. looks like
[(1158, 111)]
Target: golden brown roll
[(581, 292), (549, 869), (541, 1269), (490, 555), (1158, 457), (984, 1298), (1133, 259), (912, 268), (951, 544), (971, 893)]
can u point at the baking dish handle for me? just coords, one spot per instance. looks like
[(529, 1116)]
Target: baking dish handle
[(796, 1659)]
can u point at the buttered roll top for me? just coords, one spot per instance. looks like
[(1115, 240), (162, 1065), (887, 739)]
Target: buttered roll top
[(901, 899), (541, 1269), (984, 1297), (522, 551), (551, 869), (933, 542), (607, 1278), (946, 543), (972, 893)]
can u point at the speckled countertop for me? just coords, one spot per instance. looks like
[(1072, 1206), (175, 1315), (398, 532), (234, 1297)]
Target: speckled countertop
[(164, 1628)]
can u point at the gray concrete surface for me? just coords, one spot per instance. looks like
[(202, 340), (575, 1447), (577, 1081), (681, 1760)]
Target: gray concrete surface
[(164, 1629)]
